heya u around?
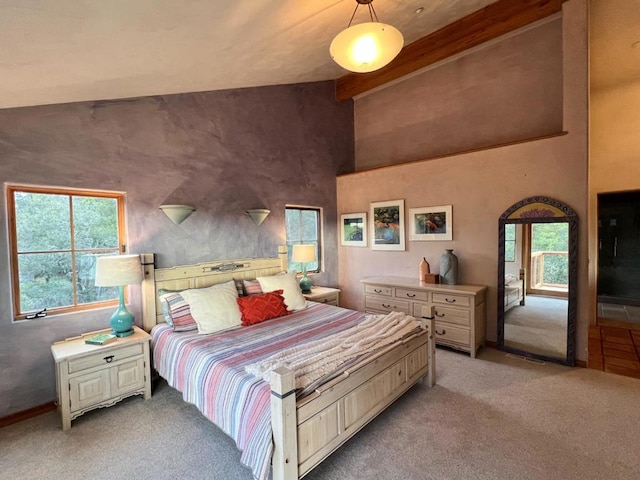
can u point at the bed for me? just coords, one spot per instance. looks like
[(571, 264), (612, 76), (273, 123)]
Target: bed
[(291, 433), (514, 290)]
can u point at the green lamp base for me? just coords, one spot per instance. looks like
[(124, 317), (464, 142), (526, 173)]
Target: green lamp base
[(305, 284), (122, 321)]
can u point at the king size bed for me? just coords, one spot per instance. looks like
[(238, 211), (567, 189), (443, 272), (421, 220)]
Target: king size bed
[(289, 390)]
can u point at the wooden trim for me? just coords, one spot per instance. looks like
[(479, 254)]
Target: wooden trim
[(486, 24), (26, 414), (463, 152)]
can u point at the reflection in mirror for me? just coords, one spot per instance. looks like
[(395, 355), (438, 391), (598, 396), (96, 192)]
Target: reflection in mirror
[(537, 280)]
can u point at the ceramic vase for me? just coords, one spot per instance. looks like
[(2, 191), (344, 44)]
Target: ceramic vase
[(449, 268)]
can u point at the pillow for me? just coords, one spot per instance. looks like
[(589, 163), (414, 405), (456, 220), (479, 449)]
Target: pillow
[(214, 308), (176, 311), (265, 306), (239, 287), (290, 286), (251, 287)]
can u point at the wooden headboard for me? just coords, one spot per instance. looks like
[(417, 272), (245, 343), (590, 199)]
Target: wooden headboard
[(199, 275)]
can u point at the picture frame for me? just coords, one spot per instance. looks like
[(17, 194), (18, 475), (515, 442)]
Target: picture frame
[(431, 223), (353, 229), (387, 225)]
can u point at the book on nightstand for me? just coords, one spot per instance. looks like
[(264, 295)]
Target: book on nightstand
[(101, 339)]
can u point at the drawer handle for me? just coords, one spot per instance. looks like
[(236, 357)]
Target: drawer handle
[(386, 306), (377, 290), (428, 318), (440, 314), (411, 295), (108, 359), (450, 301), (441, 333)]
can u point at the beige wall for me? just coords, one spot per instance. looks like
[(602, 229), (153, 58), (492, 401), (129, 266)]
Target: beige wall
[(480, 186)]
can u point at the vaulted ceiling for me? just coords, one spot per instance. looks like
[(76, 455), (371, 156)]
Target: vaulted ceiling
[(72, 50)]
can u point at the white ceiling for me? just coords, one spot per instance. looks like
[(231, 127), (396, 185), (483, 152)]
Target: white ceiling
[(72, 50)]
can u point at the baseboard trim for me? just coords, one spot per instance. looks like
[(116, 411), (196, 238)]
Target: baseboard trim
[(490, 343), (26, 414)]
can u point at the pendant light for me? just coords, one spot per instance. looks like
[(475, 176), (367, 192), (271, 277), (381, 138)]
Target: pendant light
[(368, 46)]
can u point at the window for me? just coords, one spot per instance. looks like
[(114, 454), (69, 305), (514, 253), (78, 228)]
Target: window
[(55, 235), (510, 242), (303, 227)]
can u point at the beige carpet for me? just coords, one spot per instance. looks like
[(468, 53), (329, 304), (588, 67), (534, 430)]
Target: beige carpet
[(540, 326), (490, 418)]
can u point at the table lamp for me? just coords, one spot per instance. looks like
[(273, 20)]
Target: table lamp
[(304, 254), (119, 271)]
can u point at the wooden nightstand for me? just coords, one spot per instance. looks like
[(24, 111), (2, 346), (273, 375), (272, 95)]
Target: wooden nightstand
[(91, 376), (324, 295)]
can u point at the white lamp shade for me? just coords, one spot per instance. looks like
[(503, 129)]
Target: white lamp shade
[(366, 47), (118, 270), (303, 254), (177, 213)]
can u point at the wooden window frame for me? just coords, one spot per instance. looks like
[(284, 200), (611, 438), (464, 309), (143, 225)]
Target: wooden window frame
[(318, 210), (13, 243)]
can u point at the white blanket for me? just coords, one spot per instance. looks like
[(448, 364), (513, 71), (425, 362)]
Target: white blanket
[(312, 360)]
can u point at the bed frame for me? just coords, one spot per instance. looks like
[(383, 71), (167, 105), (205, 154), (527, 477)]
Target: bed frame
[(308, 430), (515, 294)]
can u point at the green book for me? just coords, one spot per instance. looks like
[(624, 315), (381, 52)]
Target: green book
[(101, 339)]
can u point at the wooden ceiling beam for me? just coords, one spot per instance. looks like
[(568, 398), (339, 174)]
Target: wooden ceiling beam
[(490, 22)]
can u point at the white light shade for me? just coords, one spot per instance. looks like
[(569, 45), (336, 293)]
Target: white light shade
[(258, 214), (366, 47), (177, 213), (118, 270), (303, 254)]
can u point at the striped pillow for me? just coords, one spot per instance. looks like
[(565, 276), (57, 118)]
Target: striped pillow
[(176, 311), (251, 287), (239, 287)]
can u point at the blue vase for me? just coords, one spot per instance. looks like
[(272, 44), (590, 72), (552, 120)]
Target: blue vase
[(449, 268)]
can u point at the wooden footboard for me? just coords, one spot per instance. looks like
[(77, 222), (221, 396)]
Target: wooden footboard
[(307, 431)]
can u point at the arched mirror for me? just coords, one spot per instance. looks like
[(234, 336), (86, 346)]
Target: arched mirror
[(537, 274)]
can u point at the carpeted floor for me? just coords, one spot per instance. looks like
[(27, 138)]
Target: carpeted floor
[(490, 418), (540, 326)]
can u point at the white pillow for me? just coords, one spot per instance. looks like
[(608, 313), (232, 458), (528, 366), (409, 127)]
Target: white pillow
[(214, 308), (288, 283)]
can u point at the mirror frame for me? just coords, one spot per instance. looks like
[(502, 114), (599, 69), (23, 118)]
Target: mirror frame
[(541, 210)]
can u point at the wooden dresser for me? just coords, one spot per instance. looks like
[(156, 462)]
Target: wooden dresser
[(459, 310)]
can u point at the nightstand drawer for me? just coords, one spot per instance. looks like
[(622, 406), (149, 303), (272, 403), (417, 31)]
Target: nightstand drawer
[(457, 300), (387, 305), (379, 290), (421, 296), (104, 357)]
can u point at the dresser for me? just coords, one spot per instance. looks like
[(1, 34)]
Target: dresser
[(459, 310), (90, 376)]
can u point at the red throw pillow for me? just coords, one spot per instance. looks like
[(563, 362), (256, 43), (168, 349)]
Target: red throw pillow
[(257, 308)]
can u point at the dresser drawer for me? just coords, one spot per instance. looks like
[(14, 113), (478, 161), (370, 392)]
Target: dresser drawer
[(379, 290), (103, 357), (418, 295), (387, 305), (452, 315), (446, 299), (446, 332)]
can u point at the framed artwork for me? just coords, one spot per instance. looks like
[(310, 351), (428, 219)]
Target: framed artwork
[(387, 231), (431, 223), (353, 229)]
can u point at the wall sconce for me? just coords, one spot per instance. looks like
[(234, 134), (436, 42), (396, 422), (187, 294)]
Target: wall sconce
[(258, 214), (177, 213)]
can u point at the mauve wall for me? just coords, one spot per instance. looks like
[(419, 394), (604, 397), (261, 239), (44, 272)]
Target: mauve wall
[(480, 186), (223, 152), (505, 91)]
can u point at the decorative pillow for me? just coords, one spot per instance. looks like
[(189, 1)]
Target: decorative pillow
[(290, 286), (239, 287), (251, 287), (214, 308), (176, 311), (258, 308)]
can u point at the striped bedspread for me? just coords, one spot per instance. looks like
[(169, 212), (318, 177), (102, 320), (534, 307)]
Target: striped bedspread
[(209, 370)]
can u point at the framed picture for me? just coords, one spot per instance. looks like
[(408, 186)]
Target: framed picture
[(353, 229), (387, 231), (431, 223)]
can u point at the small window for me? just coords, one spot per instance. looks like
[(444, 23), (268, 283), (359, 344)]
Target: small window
[(303, 227), (55, 236), (510, 242)]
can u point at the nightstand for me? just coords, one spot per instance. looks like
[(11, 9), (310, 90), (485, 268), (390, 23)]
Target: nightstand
[(327, 295), (91, 376)]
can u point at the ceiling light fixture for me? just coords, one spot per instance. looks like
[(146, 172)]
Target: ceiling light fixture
[(368, 46)]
